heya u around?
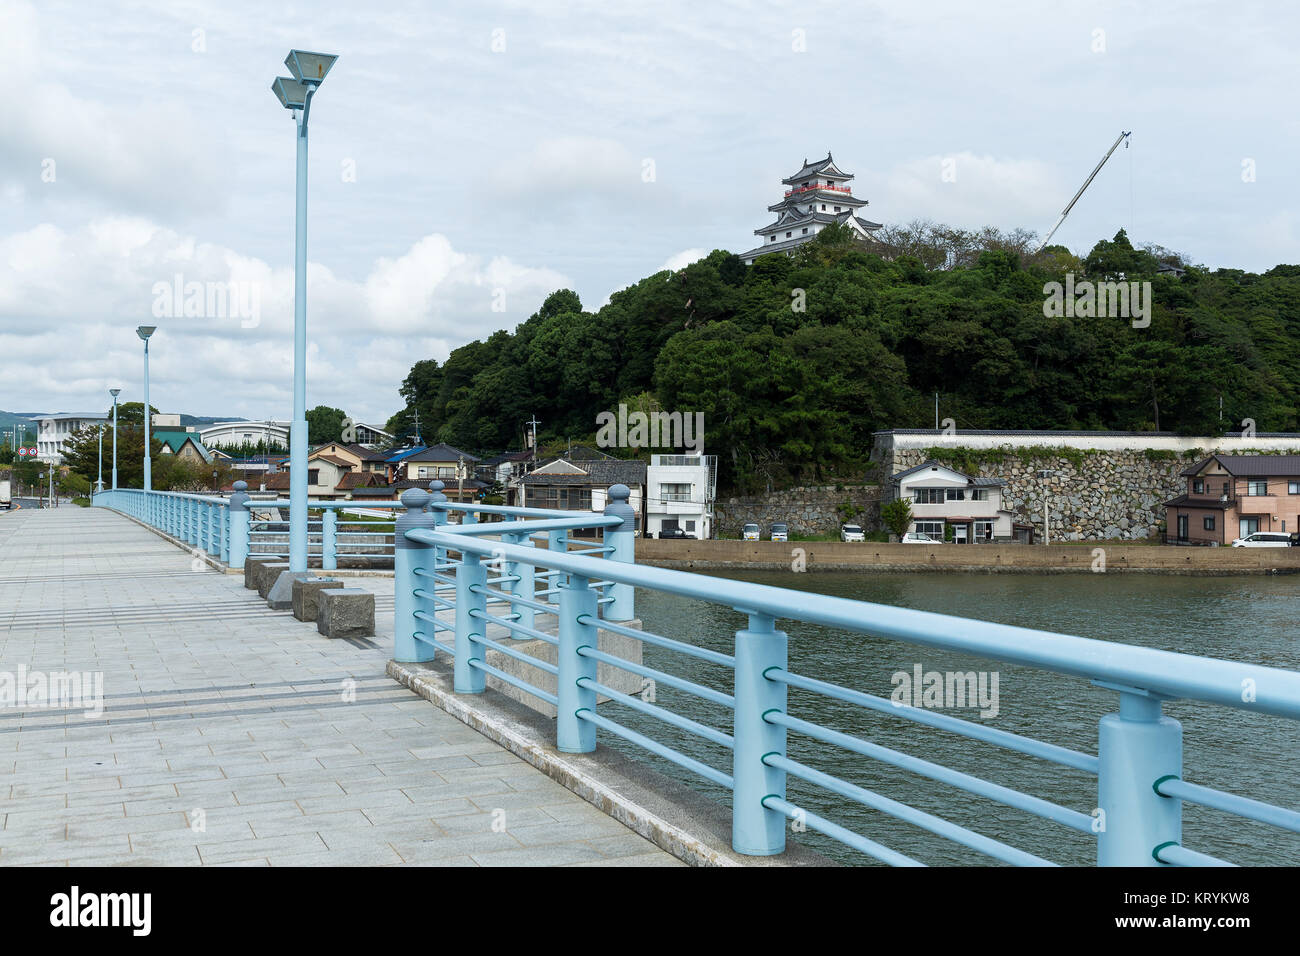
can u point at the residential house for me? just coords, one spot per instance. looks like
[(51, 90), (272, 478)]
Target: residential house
[(372, 436), (1231, 496), (583, 485), (453, 467), (185, 445), (680, 491), (361, 458), (942, 497)]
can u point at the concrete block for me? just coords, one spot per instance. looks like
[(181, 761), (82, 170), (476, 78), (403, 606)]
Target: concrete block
[(346, 612), (280, 596), (306, 595), (267, 573), (251, 564)]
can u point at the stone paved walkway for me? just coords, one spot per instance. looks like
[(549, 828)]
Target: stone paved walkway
[(232, 734)]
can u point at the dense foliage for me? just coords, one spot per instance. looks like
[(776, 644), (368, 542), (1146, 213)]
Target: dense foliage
[(795, 361)]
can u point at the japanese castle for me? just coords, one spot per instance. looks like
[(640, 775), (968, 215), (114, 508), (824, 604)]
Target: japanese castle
[(816, 196)]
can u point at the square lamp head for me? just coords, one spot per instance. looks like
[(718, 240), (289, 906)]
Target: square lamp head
[(309, 67), (291, 93), (145, 331)]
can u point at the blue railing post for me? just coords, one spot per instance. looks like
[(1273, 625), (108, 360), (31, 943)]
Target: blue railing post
[(573, 735), (756, 830), (213, 542), (223, 533), (556, 541), (622, 539), (1135, 749), (329, 540), (408, 557), (439, 518), (238, 525), (470, 574)]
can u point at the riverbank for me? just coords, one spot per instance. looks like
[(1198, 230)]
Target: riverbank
[(988, 558)]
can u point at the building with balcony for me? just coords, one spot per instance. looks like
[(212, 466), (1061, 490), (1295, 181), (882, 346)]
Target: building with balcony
[(944, 498), (818, 195), (680, 492), (1231, 496)]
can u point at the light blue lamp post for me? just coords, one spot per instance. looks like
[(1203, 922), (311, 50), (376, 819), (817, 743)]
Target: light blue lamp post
[(295, 93), (114, 392), (144, 332), (100, 481)]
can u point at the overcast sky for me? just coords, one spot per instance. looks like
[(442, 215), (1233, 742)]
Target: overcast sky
[(467, 161)]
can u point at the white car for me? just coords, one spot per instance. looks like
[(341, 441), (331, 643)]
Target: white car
[(780, 531), (851, 532), (1264, 539), (750, 532), (918, 537)]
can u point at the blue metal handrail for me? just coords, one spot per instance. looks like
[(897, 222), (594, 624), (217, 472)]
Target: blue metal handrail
[(1138, 766)]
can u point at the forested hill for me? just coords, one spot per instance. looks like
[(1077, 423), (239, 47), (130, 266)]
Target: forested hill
[(796, 361)]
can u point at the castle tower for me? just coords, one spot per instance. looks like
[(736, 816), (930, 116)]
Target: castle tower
[(816, 196)]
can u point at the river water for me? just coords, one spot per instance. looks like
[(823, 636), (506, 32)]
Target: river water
[(1238, 618)]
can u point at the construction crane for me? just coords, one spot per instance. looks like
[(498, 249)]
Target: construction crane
[(1091, 176)]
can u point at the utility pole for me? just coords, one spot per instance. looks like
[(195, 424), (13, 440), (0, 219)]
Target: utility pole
[(416, 412), (936, 411), (534, 422)]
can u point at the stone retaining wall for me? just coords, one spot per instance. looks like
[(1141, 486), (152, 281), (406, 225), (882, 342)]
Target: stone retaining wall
[(808, 510)]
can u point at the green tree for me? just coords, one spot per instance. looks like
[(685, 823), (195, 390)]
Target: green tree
[(896, 515), (324, 424)]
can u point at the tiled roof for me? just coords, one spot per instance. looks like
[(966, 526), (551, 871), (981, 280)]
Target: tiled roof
[(600, 473), (810, 169), (1187, 501), (441, 452), (359, 479), (332, 459), (1252, 466)]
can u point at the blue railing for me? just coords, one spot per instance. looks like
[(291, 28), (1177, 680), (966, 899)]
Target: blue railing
[(1138, 817), (454, 582)]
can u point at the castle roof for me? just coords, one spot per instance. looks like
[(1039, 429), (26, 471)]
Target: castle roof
[(823, 167)]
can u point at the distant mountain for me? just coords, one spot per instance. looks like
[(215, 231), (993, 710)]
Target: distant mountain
[(199, 420)]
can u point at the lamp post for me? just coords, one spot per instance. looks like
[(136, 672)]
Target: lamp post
[(1044, 475), (144, 332), (114, 392), (295, 94), (100, 480)]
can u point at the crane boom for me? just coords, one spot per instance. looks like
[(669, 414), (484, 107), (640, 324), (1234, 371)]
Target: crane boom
[(1091, 176)]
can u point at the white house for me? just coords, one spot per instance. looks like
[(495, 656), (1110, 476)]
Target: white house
[(680, 491), (942, 498), (227, 434), (55, 430)]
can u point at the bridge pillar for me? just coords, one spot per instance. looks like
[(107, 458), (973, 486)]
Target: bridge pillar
[(622, 540), (1136, 748), (756, 830), (408, 557), (573, 735), (238, 525)]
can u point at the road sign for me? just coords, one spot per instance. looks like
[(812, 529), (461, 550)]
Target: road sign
[(22, 452), (31, 453)]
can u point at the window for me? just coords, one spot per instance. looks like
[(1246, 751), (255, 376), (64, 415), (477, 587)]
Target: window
[(837, 208), (1293, 487), (1227, 488), (979, 494), (690, 526), (313, 476), (675, 492), (823, 207), (955, 494), (1255, 488), (933, 528), (928, 496), (1198, 487), (983, 531), (1208, 524), (789, 234), (805, 230), (772, 238)]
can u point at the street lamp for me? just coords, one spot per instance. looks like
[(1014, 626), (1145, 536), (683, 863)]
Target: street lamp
[(114, 392), (144, 332), (295, 93), (100, 480)]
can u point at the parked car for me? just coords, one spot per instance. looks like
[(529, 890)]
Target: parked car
[(852, 532), (674, 533), (1264, 539), (750, 532), (918, 537), (780, 531)]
